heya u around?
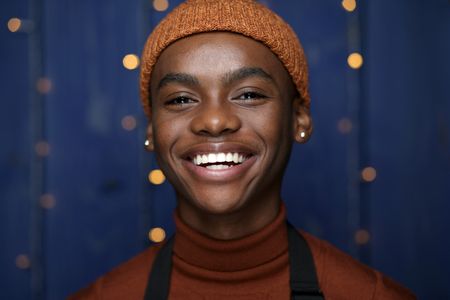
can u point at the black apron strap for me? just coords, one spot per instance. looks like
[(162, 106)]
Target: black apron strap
[(159, 280), (303, 278), (303, 282)]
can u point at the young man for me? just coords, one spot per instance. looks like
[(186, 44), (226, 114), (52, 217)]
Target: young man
[(225, 87)]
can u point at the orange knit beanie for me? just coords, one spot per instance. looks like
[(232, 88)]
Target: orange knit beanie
[(246, 17)]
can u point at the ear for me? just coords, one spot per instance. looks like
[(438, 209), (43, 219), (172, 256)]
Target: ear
[(302, 121), (149, 145)]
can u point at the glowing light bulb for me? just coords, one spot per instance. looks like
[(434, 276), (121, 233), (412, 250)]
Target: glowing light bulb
[(130, 61), (355, 60), (156, 177), (160, 5), (157, 235), (369, 174), (349, 5), (14, 24)]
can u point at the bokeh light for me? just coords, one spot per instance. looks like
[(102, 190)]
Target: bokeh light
[(160, 5), (362, 237), (47, 201), (14, 24), (130, 61), (43, 85), (355, 60), (156, 177), (368, 174), (42, 148), (345, 125), (23, 261), (129, 123), (157, 235), (349, 5)]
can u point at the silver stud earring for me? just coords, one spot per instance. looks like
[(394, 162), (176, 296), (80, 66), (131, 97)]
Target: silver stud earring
[(147, 144), (302, 134)]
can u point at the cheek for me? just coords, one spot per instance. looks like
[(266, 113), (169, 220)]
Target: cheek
[(273, 125), (165, 135), (164, 123), (164, 132)]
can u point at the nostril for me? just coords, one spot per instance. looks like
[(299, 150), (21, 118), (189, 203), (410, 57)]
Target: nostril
[(219, 122)]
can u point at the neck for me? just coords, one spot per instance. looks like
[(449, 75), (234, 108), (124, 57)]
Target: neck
[(233, 225), (259, 249)]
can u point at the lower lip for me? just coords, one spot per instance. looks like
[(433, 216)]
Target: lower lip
[(227, 174)]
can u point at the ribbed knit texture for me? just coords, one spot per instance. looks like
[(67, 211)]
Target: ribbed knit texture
[(246, 17)]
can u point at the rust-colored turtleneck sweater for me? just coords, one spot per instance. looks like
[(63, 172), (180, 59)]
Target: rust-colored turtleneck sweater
[(253, 267)]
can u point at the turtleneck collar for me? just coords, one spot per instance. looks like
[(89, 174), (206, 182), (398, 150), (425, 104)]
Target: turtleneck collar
[(254, 250)]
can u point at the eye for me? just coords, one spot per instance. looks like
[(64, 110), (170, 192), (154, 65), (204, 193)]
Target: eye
[(250, 96), (181, 100)]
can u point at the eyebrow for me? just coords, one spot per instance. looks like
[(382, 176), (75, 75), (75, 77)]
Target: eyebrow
[(229, 78), (246, 72), (182, 78)]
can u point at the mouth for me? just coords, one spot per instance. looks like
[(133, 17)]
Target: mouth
[(219, 160)]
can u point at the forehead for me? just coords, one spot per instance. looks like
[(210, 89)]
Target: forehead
[(214, 53)]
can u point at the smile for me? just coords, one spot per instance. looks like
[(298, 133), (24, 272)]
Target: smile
[(219, 161)]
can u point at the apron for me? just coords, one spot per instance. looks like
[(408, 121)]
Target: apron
[(303, 278)]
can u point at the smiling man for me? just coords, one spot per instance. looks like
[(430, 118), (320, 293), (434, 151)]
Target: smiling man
[(225, 87)]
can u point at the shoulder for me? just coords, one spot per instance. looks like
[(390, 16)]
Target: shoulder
[(126, 281), (343, 277)]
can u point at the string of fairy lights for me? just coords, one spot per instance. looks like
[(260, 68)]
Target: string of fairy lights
[(131, 62)]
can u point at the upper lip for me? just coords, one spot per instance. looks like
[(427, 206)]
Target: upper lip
[(223, 147)]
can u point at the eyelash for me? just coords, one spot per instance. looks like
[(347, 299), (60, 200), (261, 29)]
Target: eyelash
[(181, 100), (250, 96)]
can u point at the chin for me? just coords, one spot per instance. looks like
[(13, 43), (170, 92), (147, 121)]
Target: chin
[(222, 205), (219, 208)]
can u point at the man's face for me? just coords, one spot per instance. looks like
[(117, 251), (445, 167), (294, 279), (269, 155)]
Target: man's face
[(223, 121)]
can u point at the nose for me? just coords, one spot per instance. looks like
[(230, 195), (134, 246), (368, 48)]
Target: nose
[(215, 119)]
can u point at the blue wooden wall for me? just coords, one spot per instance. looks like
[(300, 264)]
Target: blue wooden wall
[(74, 196)]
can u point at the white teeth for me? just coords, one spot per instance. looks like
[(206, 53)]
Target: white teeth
[(218, 167), (221, 157), (212, 158)]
